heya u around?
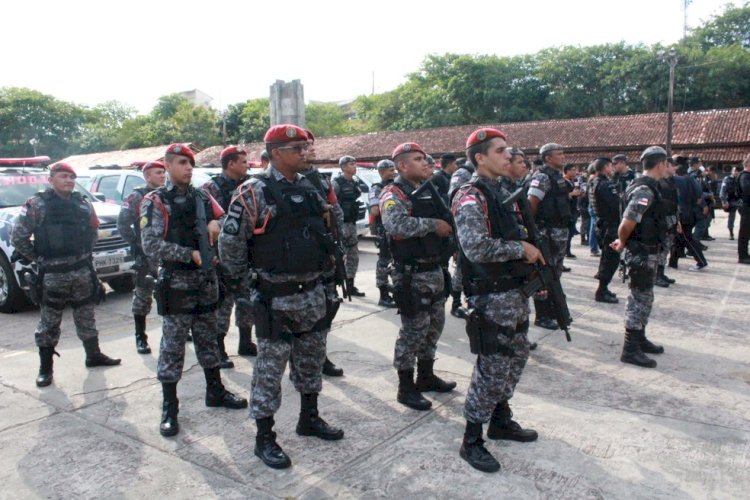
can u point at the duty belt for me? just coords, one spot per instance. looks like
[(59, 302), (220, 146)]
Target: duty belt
[(417, 267), (65, 268), (270, 289), (482, 287)]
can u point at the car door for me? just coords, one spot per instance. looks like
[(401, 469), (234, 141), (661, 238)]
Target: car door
[(107, 185)]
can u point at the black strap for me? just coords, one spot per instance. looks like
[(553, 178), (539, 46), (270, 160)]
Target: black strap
[(417, 267), (485, 286), (65, 268), (270, 289)]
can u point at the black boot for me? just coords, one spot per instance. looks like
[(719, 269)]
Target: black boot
[(543, 319), (217, 395), (427, 381), (408, 394), (385, 298), (45, 366), (502, 426), (731, 234), (353, 290), (604, 295), (266, 447), (660, 272), (661, 280), (169, 409), (648, 347), (95, 357), (224, 361), (141, 339), (310, 424), (631, 350), (247, 347), (457, 310), (331, 370), (474, 452)]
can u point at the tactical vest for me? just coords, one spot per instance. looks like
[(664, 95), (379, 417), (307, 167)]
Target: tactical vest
[(226, 189), (653, 226), (668, 196), (348, 196), (428, 247), (293, 241), (378, 186), (609, 212), (143, 191), (503, 225), (316, 180), (66, 228), (554, 210)]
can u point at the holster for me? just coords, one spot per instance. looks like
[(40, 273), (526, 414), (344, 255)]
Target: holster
[(160, 293), (406, 300), (487, 337), (447, 283), (35, 282)]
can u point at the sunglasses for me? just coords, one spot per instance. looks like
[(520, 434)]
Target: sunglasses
[(299, 148)]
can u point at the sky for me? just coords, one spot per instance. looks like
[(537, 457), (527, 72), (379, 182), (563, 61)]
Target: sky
[(134, 51)]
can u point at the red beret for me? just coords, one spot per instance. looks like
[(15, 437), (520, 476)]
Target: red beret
[(231, 150), (407, 147), (61, 167), (484, 134), (182, 150), (152, 164), (286, 132), (310, 135)]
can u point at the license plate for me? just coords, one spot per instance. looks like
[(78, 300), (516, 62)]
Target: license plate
[(108, 260)]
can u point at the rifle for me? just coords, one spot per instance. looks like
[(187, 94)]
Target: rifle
[(544, 276), (201, 229), (339, 272)]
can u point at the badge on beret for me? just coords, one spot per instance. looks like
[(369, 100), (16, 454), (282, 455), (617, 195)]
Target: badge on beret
[(291, 132), (176, 149), (481, 135), (407, 147)]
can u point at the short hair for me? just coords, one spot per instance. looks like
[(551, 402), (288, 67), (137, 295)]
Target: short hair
[(650, 162), (538, 162), (682, 169), (527, 163), (713, 168), (514, 152), (568, 167), (681, 160), (446, 160), (600, 163), (229, 159), (480, 148)]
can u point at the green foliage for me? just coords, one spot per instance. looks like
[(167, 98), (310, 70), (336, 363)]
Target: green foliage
[(730, 28)]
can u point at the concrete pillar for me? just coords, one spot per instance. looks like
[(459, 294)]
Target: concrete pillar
[(287, 103)]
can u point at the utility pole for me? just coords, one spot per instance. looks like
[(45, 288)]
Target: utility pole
[(670, 58), (685, 4)]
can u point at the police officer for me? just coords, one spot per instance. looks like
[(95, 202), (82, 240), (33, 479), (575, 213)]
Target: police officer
[(264, 159), (280, 225), (730, 199), (442, 177), (743, 181), (325, 188), (147, 269), (641, 233), (495, 262), (221, 188), (670, 199), (623, 174), (348, 191), (188, 288), (63, 225), (419, 240), (605, 203), (387, 172), (461, 176), (548, 197)]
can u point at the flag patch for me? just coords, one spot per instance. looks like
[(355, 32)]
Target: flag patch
[(643, 201), (468, 199), (534, 183)]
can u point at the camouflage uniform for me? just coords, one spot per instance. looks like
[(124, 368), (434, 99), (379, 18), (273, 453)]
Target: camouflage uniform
[(461, 176), (243, 317), (641, 298), (383, 268), (76, 284), (419, 333), (194, 291), (556, 231), (128, 225), (495, 376), (297, 331), (349, 228)]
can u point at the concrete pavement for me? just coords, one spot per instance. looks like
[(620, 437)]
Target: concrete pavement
[(607, 430)]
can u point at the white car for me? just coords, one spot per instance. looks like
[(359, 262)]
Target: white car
[(366, 179), (112, 256)]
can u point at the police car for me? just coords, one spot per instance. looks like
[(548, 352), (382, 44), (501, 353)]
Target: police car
[(20, 178), (365, 177)]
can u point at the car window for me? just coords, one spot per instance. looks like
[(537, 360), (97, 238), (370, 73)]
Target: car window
[(84, 181), (108, 187), (16, 189), (132, 182)]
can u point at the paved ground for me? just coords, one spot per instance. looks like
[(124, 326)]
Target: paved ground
[(607, 430)]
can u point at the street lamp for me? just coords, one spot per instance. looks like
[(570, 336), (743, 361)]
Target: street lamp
[(670, 58)]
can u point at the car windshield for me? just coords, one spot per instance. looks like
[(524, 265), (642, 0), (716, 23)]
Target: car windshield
[(16, 189)]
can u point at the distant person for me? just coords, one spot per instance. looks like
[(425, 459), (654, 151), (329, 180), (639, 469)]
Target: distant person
[(348, 193)]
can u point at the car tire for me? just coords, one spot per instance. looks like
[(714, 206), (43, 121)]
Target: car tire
[(12, 297), (122, 284)]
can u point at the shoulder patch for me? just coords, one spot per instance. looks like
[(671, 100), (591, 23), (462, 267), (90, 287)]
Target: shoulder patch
[(643, 201), (534, 183), (468, 199), (143, 222), (389, 204)]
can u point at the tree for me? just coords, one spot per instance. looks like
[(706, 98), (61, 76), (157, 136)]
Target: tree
[(256, 119), (103, 129), (732, 27)]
